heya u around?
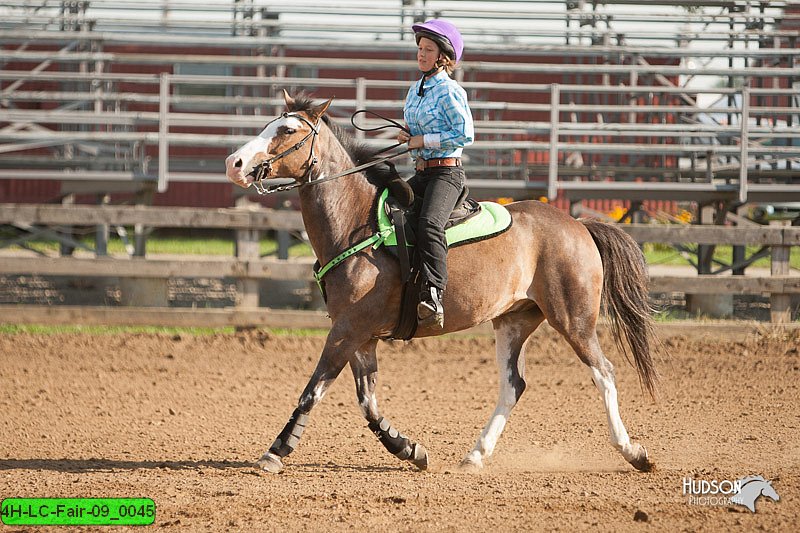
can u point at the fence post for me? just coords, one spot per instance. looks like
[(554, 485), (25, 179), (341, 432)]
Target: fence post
[(247, 248), (283, 237), (710, 304), (780, 305), (101, 230), (143, 292), (143, 197), (63, 248)]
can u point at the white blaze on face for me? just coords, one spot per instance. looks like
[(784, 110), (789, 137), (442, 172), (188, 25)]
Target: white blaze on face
[(241, 162)]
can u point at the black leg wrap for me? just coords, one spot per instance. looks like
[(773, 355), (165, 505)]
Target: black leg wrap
[(394, 441), (290, 436)]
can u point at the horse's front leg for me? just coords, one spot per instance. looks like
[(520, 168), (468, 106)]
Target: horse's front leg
[(511, 332), (334, 357), (364, 365)]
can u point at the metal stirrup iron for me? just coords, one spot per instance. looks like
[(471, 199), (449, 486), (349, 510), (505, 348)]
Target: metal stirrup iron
[(430, 309)]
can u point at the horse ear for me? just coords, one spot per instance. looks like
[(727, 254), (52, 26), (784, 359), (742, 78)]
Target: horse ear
[(318, 111), (288, 99)]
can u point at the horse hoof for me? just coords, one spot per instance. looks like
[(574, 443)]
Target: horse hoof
[(271, 463), (420, 457), (642, 461), (471, 463)]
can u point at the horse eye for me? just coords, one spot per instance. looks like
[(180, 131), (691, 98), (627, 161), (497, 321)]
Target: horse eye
[(290, 131)]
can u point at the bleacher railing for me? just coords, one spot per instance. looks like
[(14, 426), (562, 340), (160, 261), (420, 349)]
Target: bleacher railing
[(524, 155), (621, 121)]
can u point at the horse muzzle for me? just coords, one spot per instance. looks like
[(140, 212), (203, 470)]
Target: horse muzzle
[(234, 171), (261, 171)]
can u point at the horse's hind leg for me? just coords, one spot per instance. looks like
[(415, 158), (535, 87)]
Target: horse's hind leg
[(364, 365), (588, 349), (334, 357), (511, 332)]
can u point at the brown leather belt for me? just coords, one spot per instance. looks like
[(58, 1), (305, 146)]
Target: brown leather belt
[(423, 164)]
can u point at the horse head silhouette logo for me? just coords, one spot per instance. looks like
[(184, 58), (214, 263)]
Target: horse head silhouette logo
[(751, 488)]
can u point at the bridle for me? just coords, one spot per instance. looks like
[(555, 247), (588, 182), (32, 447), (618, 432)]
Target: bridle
[(265, 167)]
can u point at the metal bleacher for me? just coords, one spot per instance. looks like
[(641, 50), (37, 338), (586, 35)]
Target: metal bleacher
[(693, 100)]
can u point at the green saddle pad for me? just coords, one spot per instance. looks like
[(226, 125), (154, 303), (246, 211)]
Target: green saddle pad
[(493, 219)]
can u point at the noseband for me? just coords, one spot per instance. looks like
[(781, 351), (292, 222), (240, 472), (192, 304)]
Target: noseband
[(265, 167)]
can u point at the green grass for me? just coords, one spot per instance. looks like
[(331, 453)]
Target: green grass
[(11, 329), (655, 254), (189, 245), (14, 329), (661, 254), (672, 315), (299, 332)]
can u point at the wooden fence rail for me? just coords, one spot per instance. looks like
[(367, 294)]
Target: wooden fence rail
[(253, 217), (159, 217), (176, 267), (248, 268)]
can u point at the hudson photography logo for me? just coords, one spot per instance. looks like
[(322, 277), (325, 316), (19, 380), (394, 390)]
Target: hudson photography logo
[(715, 492)]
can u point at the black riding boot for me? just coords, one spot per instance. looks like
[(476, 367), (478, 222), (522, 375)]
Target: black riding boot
[(430, 310)]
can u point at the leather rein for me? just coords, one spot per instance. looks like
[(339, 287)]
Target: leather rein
[(265, 167)]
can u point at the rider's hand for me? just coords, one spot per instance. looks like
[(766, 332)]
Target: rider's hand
[(417, 141)]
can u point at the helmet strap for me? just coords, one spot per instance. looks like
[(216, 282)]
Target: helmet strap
[(421, 90)]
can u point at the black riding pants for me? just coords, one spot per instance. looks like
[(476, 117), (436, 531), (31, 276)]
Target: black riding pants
[(439, 188)]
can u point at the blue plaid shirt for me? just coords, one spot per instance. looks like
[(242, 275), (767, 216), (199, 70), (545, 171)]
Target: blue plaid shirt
[(442, 116)]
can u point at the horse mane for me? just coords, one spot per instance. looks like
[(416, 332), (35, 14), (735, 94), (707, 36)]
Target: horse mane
[(744, 481), (360, 153)]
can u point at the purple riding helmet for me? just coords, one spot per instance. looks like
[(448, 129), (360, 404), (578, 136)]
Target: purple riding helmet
[(444, 33)]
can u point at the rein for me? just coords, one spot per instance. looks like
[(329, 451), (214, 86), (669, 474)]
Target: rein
[(392, 124), (265, 166)]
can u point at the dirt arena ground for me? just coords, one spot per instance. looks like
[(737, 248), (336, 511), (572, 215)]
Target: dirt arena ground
[(180, 419)]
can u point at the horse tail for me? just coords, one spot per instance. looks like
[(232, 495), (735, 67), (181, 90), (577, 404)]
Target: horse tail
[(625, 297)]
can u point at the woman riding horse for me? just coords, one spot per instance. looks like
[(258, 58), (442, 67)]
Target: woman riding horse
[(546, 266), (440, 124)]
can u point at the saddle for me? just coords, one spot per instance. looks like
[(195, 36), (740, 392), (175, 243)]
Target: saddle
[(465, 209), (470, 221)]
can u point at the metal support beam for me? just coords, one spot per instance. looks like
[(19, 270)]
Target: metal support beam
[(743, 142), (552, 173), (163, 132), (38, 68), (361, 101)]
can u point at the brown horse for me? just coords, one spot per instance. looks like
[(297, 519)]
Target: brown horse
[(547, 266)]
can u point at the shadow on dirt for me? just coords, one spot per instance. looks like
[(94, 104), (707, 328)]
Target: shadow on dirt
[(110, 465)]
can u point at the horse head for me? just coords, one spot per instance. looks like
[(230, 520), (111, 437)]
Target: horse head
[(752, 487), (769, 491), (283, 149)]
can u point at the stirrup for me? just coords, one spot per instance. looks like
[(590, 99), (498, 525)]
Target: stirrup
[(430, 310)]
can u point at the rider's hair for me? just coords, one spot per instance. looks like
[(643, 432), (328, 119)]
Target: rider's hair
[(446, 62)]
